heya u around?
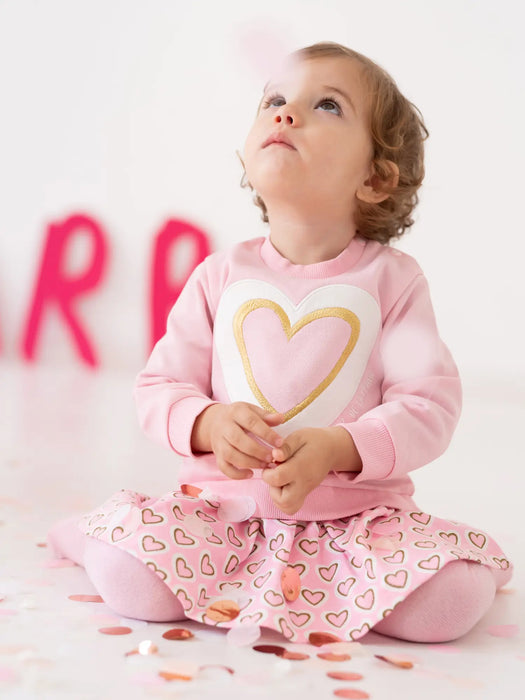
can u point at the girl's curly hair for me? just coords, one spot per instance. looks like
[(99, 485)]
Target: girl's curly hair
[(398, 132)]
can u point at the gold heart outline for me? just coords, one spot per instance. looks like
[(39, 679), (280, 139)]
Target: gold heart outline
[(290, 331)]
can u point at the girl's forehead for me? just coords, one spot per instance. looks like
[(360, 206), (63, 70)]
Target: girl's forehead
[(337, 71)]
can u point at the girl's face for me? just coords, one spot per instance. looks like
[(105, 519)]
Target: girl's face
[(309, 145)]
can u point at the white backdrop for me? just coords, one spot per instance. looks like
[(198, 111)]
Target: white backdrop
[(132, 110)]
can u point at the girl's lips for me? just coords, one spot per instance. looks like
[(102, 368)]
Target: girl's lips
[(278, 140), (280, 143)]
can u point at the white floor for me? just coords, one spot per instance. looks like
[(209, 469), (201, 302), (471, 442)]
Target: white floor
[(68, 439)]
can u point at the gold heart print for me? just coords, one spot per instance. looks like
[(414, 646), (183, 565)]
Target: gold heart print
[(290, 331)]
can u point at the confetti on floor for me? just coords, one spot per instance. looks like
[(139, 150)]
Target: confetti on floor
[(115, 630), (50, 614)]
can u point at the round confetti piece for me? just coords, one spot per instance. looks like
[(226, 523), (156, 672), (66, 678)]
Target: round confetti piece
[(190, 490), (294, 655), (178, 633), (170, 676), (344, 675), (83, 598), (115, 630), (395, 661), (320, 638), (146, 647), (222, 668), (223, 611), (270, 649), (328, 656), (290, 584), (350, 693)]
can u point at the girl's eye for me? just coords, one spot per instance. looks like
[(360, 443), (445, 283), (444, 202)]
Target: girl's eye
[(273, 101), (329, 105)]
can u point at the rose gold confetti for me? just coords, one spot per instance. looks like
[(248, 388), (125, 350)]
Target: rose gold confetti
[(171, 676), (223, 611), (115, 630), (41, 544), (178, 633), (395, 661), (178, 670), (270, 649), (290, 584), (354, 693), (344, 676), (506, 591), (58, 563), (334, 657), (190, 490), (223, 668), (294, 655), (320, 638), (145, 648), (83, 598), (503, 630)]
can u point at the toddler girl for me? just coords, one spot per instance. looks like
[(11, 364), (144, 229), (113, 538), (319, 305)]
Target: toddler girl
[(302, 377)]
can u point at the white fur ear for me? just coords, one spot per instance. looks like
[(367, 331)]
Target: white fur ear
[(385, 176)]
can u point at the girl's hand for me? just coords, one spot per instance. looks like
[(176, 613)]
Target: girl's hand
[(304, 460), (224, 429)]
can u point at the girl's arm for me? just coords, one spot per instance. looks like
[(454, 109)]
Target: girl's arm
[(173, 392), (175, 385), (421, 393)]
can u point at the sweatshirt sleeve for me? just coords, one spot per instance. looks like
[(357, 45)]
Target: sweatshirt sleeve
[(421, 393), (175, 385)]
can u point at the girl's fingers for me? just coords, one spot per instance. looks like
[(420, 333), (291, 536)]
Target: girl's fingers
[(245, 444), (235, 473), (252, 419), (230, 454)]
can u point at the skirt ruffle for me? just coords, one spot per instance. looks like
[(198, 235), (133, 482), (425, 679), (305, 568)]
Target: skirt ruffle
[(228, 568)]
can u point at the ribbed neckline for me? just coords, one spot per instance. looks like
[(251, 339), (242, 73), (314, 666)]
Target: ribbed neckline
[(328, 268)]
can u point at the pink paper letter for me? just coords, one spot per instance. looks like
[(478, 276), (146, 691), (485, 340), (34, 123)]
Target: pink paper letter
[(56, 286), (163, 293)]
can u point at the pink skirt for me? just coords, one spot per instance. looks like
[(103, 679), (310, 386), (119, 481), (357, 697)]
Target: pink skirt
[(297, 577)]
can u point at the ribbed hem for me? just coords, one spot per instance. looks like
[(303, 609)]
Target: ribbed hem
[(328, 268), (375, 447), (323, 503), (181, 418)]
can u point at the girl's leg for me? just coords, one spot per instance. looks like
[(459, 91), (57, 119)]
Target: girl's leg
[(445, 607), (126, 585)]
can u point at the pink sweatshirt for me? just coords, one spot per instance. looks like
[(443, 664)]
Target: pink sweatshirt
[(351, 341)]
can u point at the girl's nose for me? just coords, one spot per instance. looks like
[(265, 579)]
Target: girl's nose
[(287, 118), (288, 114)]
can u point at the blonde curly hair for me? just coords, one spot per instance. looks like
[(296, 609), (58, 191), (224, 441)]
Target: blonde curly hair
[(398, 132)]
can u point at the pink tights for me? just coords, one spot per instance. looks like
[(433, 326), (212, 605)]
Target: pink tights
[(442, 609)]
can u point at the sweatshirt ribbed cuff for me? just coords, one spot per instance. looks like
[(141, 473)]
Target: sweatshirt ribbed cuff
[(181, 418), (375, 447)]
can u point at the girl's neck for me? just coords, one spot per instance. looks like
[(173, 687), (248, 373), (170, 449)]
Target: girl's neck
[(310, 240)]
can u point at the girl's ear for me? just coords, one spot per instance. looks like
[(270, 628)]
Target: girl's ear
[(379, 185)]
